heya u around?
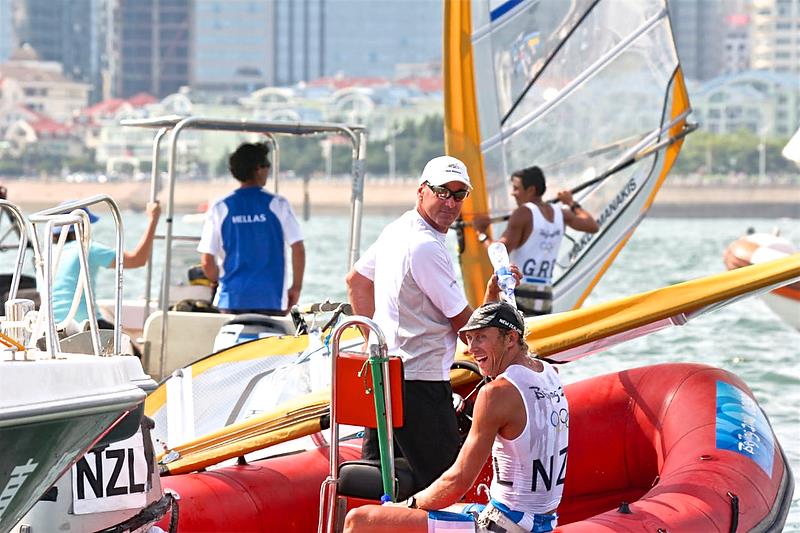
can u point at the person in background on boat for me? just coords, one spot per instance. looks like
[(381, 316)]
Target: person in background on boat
[(66, 277), (407, 283), (533, 236), (244, 239), (521, 418)]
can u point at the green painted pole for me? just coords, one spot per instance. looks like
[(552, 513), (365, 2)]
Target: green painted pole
[(376, 367)]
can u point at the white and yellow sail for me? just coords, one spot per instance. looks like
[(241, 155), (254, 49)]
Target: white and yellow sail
[(581, 89)]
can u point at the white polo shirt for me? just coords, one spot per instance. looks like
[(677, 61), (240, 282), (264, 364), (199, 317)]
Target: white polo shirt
[(416, 292)]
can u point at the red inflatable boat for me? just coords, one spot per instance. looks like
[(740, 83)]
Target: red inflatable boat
[(755, 248), (672, 447)]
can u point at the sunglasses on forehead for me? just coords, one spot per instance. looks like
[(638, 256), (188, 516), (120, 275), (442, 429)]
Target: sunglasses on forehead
[(443, 193)]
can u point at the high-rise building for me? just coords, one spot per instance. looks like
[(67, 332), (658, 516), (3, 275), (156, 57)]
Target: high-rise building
[(698, 29), (153, 54), (68, 32), (233, 46), (7, 38), (776, 35), (368, 38), (300, 29), (736, 50), (282, 42)]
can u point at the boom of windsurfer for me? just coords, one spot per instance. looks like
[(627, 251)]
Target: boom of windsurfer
[(533, 236)]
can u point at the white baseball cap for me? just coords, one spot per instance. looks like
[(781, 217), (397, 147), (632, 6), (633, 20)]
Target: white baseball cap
[(444, 169)]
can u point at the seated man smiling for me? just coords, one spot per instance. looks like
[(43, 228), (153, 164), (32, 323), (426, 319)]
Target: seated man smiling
[(521, 418)]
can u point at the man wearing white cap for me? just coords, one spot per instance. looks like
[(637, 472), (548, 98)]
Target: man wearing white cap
[(407, 283)]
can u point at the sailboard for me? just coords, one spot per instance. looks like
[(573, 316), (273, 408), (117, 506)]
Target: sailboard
[(591, 91), (558, 338)]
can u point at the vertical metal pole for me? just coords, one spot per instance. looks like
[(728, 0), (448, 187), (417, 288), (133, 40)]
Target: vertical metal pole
[(276, 159), (357, 198), (165, 276), (155, 185), (16, 214), (51, 336), (119, 270), (81, 237), (306, 198)]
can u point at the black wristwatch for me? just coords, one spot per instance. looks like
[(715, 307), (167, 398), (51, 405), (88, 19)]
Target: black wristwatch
[(574, 206), (482, 237), (411, 502)]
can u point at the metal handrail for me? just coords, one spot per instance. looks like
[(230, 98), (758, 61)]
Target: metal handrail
[(379, 352), (176, 124), (61, 216), (16, 214)]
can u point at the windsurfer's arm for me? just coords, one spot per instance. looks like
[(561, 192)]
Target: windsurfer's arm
[(139, 256), (298, 269), (575, 216), (512, 237), (489, 417), (209, 265)]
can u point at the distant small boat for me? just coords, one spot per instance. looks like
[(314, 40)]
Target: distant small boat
[(755, 248)]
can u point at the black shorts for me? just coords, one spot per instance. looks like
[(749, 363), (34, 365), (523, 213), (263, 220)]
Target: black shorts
[(429, 438)]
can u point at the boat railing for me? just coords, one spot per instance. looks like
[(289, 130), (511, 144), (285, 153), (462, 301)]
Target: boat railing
[(66, 215), (379, 389), (175, 125), (22, 229), (15, 329)]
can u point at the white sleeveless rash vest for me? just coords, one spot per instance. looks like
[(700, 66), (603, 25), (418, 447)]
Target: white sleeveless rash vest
[(536, 257), (529, 471)]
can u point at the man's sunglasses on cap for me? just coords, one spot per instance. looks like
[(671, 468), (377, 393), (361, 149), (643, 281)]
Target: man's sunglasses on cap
[(443, 193)]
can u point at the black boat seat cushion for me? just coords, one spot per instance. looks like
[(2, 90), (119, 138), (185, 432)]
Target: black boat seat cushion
[(267, 323), (362, 479)]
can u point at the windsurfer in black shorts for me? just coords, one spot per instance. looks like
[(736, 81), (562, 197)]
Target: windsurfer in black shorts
[(533, 236)]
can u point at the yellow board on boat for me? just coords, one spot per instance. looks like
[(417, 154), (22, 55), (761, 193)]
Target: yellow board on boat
[(562, 337)]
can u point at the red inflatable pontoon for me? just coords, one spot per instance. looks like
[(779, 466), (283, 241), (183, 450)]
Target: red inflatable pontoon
[(672, 447)]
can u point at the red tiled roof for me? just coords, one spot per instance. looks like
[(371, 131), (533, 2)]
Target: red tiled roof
[(427, 85), (142, 99), (44, 124), (111, 105), (104, 107), (335, 82)]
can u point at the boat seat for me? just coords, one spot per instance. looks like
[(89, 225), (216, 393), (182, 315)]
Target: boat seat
[(356, 406), (362, 479), (268, 323)]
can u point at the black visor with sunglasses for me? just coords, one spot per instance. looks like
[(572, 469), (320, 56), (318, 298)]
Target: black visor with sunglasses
[(443, 193)]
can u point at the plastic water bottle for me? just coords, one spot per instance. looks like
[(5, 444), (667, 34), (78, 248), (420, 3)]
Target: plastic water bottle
[(498, 255)]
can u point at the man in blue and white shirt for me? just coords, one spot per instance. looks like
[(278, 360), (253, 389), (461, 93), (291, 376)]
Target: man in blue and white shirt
[(244, 240)]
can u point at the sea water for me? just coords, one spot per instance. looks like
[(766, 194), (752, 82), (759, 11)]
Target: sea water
[(745, 338)]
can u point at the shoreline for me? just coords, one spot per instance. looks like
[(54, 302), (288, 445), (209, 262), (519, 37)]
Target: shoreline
[(394, 197)]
